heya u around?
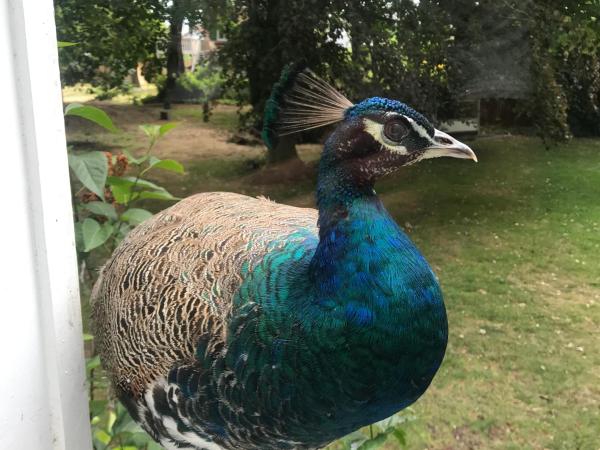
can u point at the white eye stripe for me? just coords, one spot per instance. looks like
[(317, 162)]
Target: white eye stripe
[(420, 129)]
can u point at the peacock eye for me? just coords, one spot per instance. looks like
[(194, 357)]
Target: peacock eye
[(395, 130)]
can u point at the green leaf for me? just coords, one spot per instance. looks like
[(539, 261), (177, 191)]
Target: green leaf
[(123, 189), (165, 164), (372, 444), (97, 407), (400, 436), (157, 195), (102, 436), (87, 337), (112, 418), (132, 159), (131, 181), (124, 230), (122, 194), (63, 44), (135, 216), (92, 363), (91, 169), (164, 129), (94, 234), (92, 114), (101, 209), (123, 423), (152, 131)]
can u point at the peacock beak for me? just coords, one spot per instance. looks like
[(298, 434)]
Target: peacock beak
[(445, 145)]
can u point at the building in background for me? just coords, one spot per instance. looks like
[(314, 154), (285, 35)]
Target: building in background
[(197, 43)]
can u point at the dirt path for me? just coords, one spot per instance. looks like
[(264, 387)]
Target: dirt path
[(192, 140)]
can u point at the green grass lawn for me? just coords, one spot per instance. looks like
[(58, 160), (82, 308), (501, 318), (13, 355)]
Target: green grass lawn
[(515, 241)]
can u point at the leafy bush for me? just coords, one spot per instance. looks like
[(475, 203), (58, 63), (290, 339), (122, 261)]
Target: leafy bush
[(548, 103), (375, 436), (104, 206), (203, 85)]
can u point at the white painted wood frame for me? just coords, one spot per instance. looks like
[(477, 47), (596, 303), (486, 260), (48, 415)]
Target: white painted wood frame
[(42, 369)]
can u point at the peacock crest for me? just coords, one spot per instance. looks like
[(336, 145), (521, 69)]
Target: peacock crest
[(301, 101)]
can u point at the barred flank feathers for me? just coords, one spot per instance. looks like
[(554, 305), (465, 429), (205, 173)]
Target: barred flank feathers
[(300, 101)]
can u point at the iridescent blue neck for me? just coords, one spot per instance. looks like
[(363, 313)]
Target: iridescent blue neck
[(364, 262), (338, 189)]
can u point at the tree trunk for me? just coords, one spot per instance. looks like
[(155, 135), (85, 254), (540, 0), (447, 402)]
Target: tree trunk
[(175, 63), (261, 79), (284, 151)]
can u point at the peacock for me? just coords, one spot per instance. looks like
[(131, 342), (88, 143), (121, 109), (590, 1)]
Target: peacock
[(232, 322)]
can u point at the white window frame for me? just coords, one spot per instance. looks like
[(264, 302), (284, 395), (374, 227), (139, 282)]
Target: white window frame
[(43, 393)]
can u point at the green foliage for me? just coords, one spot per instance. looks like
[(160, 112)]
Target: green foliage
[(202, 86), (565, 65), (577, 50), (102, 209), (63, 44), (92, 114), (107, 219), (166, 164), (113, 37), (425, 53), (375, 436), (400, 50), (548, 104), (155, 132), (112, 426), (91, 169), (205, 84), (263, 37), (94, 234), (110, 215)]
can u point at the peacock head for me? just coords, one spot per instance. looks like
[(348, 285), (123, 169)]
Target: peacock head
[(372, 138)]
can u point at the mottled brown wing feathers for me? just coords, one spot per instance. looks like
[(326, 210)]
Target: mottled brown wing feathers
[(171, 281)]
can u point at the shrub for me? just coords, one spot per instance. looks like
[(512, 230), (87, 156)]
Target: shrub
[(203, 85)]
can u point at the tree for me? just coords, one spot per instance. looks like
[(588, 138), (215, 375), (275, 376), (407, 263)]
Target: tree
[(112, 37), (400, 49), (565, 43), (371, 47), (265, 35), (576, 51), (176, 12)]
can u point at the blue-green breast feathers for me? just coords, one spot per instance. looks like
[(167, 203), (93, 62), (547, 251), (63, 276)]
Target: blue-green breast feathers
[(327, 338), (284, 339)]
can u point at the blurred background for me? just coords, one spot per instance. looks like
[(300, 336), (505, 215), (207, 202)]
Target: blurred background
[(164, 99)]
